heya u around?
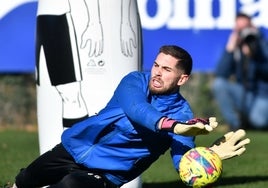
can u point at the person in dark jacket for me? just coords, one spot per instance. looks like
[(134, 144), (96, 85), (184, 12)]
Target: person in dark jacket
[(241, 77), (145, 117)]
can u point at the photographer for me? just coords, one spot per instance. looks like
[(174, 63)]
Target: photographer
[(241, 77)]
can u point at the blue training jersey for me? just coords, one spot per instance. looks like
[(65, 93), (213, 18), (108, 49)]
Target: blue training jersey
[(123, 140)]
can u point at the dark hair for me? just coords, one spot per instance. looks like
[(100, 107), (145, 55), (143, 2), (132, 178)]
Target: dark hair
[(185, 61), (243, 15)]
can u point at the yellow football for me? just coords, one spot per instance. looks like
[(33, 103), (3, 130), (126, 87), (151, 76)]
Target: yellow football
[(200, 167)]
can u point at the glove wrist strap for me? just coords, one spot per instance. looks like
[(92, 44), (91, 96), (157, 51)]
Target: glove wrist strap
[(168, 124)]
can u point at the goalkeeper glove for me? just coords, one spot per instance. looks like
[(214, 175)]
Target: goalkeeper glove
[(192, 127), (231, 144)]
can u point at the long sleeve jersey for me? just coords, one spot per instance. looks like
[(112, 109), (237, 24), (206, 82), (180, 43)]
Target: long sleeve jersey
[(123, 140)]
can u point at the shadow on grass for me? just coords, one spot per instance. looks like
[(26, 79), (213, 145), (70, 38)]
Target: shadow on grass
[(226, 181), (173, 184), (241, 180)]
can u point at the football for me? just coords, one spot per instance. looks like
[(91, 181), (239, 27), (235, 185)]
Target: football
[(200, 167)]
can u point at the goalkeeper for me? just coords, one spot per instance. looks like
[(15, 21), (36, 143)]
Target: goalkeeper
[(145, 117)]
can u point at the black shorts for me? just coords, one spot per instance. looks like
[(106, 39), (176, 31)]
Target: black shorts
[(57, 168), (56, 36)]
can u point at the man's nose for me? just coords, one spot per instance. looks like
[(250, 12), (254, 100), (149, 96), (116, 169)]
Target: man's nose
[(158, 71)]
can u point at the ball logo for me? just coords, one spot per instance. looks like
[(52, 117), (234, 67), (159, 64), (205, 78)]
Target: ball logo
[(209, 166)]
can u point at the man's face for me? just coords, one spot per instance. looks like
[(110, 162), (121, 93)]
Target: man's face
[(165, 77), (242, 23)]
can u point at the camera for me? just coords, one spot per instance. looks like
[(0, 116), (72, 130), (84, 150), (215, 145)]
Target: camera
[(251, 37), (248, 33)]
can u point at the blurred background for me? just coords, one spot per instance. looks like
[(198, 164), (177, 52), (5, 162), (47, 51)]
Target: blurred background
[(199, 26)]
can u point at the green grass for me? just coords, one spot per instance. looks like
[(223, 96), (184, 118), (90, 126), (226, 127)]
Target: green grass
[(18, 148), (248, 171)]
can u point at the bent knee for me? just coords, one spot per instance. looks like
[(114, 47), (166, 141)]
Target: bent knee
[(24, 180)]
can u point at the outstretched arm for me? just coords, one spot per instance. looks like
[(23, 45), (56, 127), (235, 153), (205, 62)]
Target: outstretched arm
[(131, 94), (193, 127)]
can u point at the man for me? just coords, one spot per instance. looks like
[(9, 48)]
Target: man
[(241, 77), (145, 117)]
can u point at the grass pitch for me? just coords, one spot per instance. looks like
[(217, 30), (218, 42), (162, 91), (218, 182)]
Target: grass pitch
[(19, 148)]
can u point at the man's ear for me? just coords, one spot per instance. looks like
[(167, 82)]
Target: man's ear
[(183, 79)]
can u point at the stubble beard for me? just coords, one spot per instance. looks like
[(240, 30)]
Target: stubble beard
[(162, 91)]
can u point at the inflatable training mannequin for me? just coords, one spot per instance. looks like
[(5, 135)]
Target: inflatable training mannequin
[(83, 49)]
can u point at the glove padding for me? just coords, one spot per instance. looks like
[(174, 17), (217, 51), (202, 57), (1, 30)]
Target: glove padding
[(230, 145), (192, 127)]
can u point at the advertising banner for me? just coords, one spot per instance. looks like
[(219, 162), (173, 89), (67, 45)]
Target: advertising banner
[(200, 26)]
